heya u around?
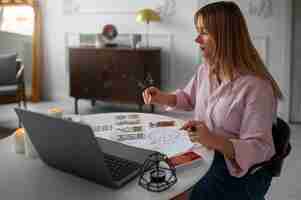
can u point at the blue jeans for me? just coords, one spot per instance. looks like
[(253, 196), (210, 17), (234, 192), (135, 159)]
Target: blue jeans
[(218, 184)]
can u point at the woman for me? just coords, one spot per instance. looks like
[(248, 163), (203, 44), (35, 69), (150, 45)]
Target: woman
[(234, 98)]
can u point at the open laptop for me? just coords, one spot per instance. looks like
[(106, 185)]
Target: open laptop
[(73, 148)]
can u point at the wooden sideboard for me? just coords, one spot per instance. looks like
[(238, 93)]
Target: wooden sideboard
[(113, 74)]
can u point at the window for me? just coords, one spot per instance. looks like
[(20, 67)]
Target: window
[(17, 19)]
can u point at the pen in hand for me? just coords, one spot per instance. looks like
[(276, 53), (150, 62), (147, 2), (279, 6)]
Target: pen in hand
[(150, 95), (190, 128)]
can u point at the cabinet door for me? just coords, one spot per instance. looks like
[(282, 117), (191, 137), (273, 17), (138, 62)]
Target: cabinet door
[(82, 73), (104, 70), (128, 73), (152, 67), (115, 74)]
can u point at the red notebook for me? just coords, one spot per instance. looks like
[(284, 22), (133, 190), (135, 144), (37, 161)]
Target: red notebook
[(185, 159)]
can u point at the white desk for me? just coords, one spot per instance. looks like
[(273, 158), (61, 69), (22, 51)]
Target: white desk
[(26, 178)]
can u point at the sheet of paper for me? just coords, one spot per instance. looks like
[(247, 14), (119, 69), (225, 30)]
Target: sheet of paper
[(202, 151), (167, 140)]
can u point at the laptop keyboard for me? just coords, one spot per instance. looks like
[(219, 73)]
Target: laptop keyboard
[(119, 167)]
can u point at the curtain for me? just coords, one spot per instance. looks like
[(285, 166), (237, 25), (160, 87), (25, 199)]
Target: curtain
[(1, 16), (17, 2), (36, 44)]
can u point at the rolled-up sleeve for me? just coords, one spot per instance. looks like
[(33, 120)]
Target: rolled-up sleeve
[(255, 142), (186, 96)]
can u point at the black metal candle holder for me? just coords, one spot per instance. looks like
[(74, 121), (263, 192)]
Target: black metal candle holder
[(158, 173)]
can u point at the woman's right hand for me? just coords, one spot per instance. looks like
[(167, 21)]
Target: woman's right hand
[(153, 95)]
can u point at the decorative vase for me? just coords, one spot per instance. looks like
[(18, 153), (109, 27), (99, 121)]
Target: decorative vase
[(135, 40)]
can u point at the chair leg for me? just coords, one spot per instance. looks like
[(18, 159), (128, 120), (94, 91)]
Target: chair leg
[(23, 94), (19, 123), (24, 98), (76, 106), (25, 103), (19, 98)]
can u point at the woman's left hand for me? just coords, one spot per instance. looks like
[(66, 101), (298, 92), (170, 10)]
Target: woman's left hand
[(199, 133), (197, 130)]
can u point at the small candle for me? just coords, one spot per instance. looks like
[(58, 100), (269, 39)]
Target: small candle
[(55, 112), (18, 138), (157, 176)]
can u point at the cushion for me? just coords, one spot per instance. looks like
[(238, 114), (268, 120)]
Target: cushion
[(8, 69)]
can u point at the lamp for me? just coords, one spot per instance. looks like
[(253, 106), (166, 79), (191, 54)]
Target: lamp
[(146, 16)]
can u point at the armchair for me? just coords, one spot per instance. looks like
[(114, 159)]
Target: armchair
[(12, 78)]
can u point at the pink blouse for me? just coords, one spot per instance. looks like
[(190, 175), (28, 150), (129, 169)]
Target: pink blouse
[(242, 110)]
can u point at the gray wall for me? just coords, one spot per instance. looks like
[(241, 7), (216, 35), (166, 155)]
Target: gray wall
[(21, 44), (271, 35)]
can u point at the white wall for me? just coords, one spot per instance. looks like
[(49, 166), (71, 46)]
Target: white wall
[(184, 56)]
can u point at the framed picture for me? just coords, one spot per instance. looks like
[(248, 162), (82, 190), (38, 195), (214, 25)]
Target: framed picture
[(108, 6)]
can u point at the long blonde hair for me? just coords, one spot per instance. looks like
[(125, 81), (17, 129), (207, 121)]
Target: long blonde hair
[(232, 48)]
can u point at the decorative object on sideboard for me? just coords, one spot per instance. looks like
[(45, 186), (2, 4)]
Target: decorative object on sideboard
[(157, 173), (135, 40), (146, 16), (87, 39), (100, 41), (109, 33), (260, 8)]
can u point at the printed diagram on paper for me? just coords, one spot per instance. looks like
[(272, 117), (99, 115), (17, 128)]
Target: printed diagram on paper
[(131, 130), (169, 141)]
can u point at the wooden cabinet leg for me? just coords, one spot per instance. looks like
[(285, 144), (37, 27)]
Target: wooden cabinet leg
[(93, 102), (140, 107), (76, 106), (152, 108)]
